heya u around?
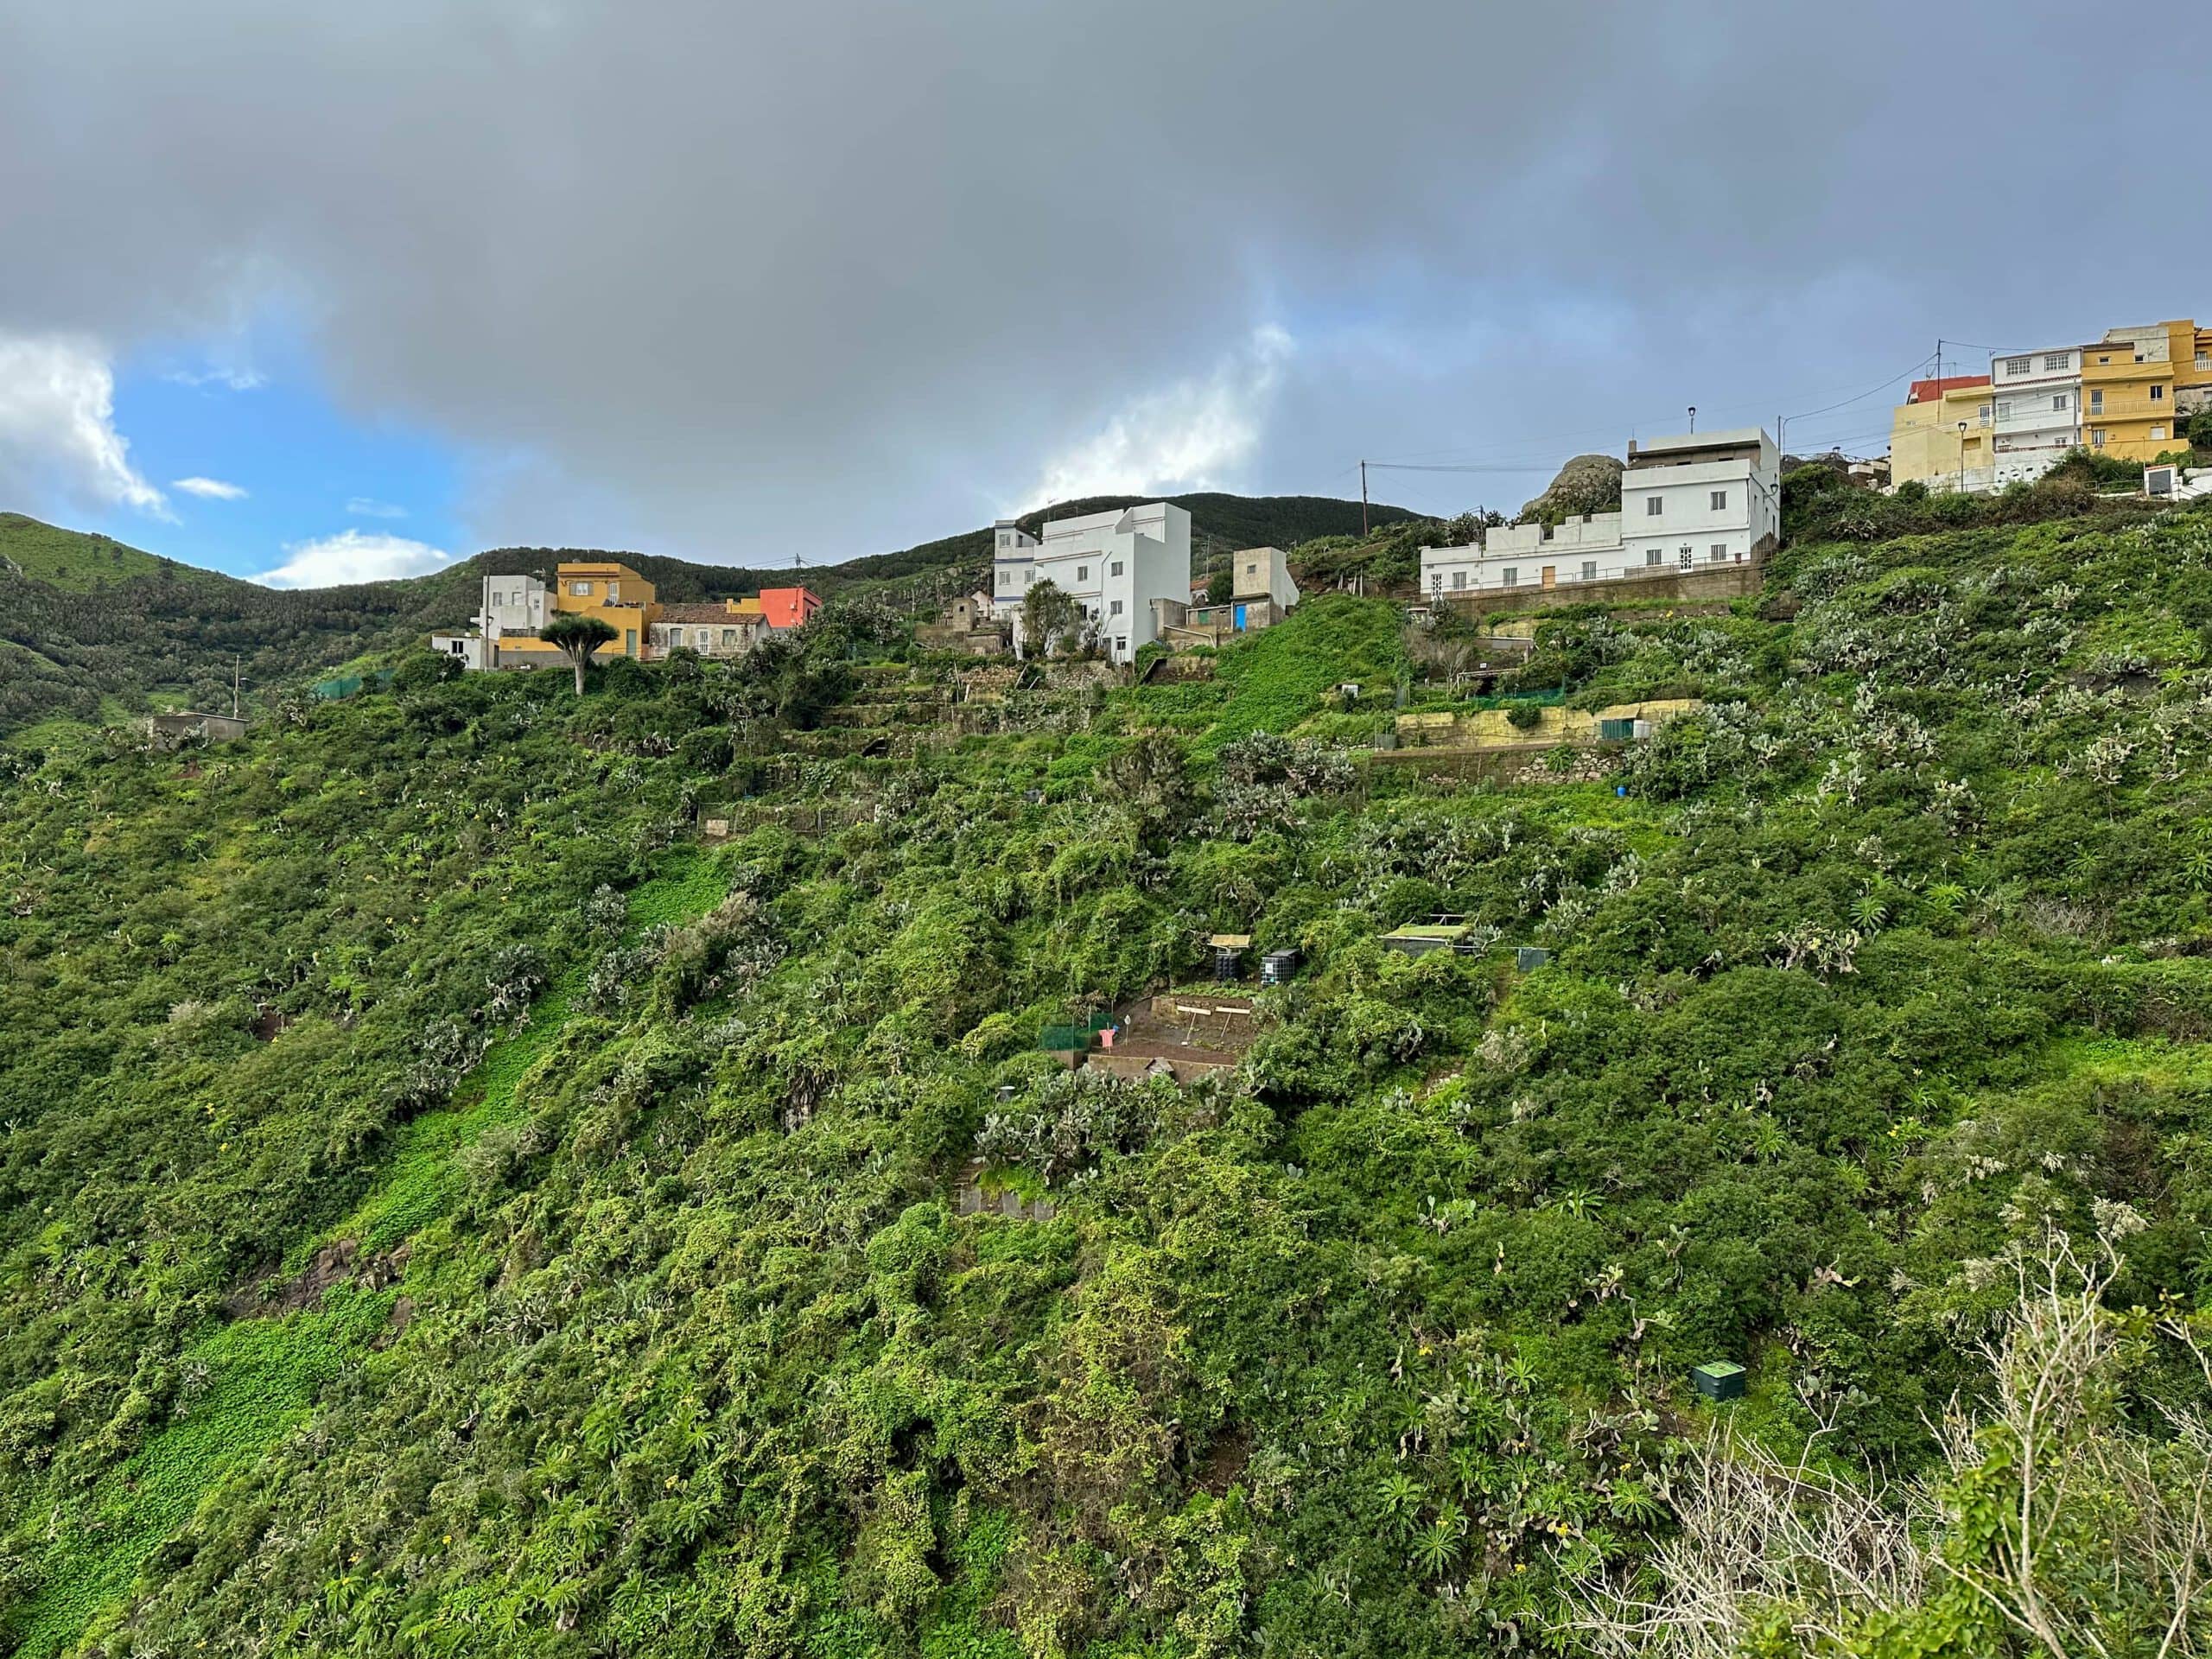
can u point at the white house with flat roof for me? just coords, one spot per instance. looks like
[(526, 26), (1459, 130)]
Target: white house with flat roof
[(2038, 413), (1115, 565), (505, 605), (1587, 548), (1701, 499), (1688, 503)]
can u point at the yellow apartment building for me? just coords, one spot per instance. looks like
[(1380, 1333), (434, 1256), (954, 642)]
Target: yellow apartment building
[(2140, 384), (1942, 434)]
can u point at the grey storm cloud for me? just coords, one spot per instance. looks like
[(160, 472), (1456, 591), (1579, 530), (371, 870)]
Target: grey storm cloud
[(736, 280)]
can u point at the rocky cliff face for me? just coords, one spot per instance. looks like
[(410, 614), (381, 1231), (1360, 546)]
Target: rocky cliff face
[(1586, 484)]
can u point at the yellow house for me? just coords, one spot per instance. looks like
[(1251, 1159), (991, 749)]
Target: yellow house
[(614, 593), (1942, 435), (2138, 385)]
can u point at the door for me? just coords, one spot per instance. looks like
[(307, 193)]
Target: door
[(1551, 575), (1238, 624)]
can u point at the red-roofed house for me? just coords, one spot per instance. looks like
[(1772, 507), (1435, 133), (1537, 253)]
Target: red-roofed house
[(1922, 391)]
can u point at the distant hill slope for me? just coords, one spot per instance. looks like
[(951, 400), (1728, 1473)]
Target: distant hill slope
[(98, 627)]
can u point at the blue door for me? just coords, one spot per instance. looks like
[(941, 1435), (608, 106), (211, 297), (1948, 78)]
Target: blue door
[(1239, 623)]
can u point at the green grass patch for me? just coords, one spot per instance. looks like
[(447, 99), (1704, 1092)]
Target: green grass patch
[(260, 1377)]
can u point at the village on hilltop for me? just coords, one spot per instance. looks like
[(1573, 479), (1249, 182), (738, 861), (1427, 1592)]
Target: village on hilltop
[(1697, 513)]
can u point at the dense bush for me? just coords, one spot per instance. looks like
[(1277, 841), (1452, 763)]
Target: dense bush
[(444, 1208)]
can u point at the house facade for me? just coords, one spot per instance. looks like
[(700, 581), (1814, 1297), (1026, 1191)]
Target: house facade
[(1942, 436), (1117, 566), (2036, 398), (1688, 503), (1587, 548), (1701, 499), (1013, 565), (2140, 383), (720, 629)]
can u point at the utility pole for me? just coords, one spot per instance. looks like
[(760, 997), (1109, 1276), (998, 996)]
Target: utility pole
[(1362, 500), (236, 661)]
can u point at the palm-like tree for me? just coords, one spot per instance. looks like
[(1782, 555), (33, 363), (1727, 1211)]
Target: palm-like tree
[(575, 638)]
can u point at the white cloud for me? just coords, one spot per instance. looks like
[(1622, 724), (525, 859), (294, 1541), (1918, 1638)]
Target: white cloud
[(351, 556), (231, 378), (58, 441), (362, 506), (212, 489), (1193, 434)]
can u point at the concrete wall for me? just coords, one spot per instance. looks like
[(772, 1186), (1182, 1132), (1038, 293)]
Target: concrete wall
[(1728, 582), (1491, 728)]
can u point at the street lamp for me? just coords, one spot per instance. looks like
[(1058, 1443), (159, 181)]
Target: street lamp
[(1693, 417), (1962, 457)]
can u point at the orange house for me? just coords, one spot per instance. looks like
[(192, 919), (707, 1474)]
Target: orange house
[(789, 607)]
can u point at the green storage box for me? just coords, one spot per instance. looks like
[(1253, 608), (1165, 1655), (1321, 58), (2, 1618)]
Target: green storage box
[(1721, 1379)]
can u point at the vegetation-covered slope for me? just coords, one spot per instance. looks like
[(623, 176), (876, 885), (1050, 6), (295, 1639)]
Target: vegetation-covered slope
[(446, 1210)]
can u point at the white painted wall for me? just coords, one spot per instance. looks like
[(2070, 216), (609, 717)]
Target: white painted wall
[(1114, 565), (511, 605), (2038, 411), (1709, 511)]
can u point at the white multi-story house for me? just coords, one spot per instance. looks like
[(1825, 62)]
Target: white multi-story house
[(1688, 503), (2039, 417), (1116, 566), (1584, 548), (507, 605), (1701, 499)]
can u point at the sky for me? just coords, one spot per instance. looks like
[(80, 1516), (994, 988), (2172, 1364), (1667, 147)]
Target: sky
[(319, 293)]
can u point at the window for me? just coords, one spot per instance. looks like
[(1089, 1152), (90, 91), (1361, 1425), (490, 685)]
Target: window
[(2157, 394), (2204, 360), (2062, 402), (1719, 553), (2097, 437), (1651, 556), (1720, 501), (1122, 647), (1549, 530), (2004, 409), (1083, 572), (1654, 506), (1114, 609), (2054, 361), (1458, 579), (2097, 400), (580, 590), (2019, 364), (2104, 357), (1005, 540), (1981, 414), (729, 635), (1436, 582), (2157, 431), (1512, 575), (1682, 558), (1116, 570), (1249, 569)]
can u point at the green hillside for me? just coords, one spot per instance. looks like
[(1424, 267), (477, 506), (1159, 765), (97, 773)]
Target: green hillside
[(69, 559), (103, 629), (448, 1206)]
